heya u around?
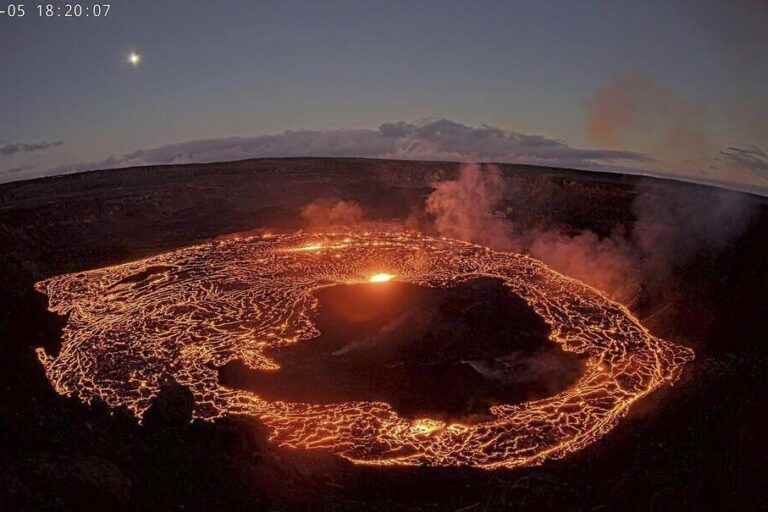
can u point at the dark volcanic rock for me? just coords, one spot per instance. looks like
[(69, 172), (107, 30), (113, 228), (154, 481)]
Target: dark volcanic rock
[(172, 407)]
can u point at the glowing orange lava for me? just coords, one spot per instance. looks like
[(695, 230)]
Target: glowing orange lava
[(381, 277), (182, 314)]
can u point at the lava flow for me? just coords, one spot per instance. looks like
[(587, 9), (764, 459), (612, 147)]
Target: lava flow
[(183, 314)]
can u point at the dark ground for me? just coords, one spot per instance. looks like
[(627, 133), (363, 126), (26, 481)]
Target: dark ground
[(698, 445)]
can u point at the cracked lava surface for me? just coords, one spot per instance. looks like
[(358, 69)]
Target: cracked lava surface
[(183, 314)]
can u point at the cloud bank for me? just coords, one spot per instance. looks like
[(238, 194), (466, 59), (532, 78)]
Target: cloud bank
[(752, 159), (13, 148), (17, 170), (440, 139), (630, 111)]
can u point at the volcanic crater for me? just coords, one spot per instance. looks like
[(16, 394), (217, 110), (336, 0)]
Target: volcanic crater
[(448, 353), (337, 332)]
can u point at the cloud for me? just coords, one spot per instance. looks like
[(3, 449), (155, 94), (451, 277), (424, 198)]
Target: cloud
[(331, 143), (752, 159), (17, 170), (440, 139), (629, 112), (10, 149), (444, 139)]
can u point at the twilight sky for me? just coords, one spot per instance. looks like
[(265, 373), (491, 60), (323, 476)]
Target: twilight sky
[(672, 87)]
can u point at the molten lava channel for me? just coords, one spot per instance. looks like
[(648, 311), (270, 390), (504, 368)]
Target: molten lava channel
[(185, 314)]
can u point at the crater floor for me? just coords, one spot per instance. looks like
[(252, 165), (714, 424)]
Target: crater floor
[(448, 353), (453, 307)]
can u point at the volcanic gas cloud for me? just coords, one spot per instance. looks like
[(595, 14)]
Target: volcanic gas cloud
[(183, 314)]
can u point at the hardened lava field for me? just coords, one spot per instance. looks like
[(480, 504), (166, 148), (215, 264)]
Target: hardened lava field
[(185, 314)]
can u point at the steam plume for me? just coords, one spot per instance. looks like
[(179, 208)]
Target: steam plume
[(670, 227), (330, 212), (464, 208)]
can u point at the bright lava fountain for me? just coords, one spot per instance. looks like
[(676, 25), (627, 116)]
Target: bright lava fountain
[(183, 314)]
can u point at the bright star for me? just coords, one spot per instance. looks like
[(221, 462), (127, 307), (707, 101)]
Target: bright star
[(134, 59)]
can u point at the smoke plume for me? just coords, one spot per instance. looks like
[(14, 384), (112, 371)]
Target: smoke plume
[(670, 227), (633, 110), (465, 208), (330, 212)]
